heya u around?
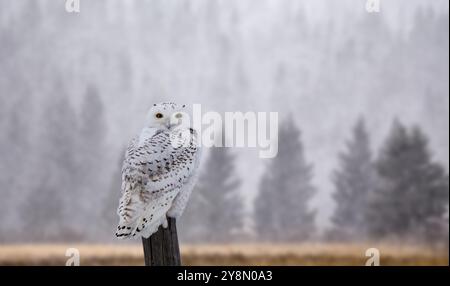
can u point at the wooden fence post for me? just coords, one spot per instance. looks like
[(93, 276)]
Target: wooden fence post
[(161, 249)]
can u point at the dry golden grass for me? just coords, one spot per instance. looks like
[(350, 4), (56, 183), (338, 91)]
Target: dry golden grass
[(239, 254)]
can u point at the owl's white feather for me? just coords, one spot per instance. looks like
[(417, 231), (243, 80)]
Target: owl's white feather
[(158, 174)]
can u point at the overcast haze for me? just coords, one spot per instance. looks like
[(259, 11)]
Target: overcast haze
[(324, 62)]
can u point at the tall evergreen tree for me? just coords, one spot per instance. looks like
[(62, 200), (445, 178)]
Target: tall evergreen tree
[(52, 207), (91, 136), (413, 193), (15, 162), (354, 180), (282, 211), (215, 212), (91, 156)]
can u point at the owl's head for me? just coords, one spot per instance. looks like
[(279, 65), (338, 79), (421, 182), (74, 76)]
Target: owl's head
[(166, 115)]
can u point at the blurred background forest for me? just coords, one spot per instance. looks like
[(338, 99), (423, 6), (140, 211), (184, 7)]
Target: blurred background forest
[(363, 100)]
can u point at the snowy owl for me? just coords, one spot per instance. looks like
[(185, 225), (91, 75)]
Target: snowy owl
[(158, 173)]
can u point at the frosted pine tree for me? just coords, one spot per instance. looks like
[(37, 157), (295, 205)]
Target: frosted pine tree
[(412, 197), (282, 210), (91, 160), (52, 204), (16, 143), (353, 180)]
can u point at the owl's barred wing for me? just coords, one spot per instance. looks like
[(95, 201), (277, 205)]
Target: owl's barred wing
[(145, 215), (153, 174)]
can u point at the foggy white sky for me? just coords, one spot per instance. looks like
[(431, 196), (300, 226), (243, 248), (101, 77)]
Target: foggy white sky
[(239, 55), (325, 119)]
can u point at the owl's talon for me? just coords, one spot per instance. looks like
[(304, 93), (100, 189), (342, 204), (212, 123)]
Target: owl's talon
[(164, 223)]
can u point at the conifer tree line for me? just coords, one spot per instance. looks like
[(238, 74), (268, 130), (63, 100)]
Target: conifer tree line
[(60, 91), (399, 193), (57, 179)]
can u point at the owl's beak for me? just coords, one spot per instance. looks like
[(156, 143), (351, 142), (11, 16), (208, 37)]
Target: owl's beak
[(173, 122), (168, 125)]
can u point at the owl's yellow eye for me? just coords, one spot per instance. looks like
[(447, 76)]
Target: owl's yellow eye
[(178, 115), (159, 115)]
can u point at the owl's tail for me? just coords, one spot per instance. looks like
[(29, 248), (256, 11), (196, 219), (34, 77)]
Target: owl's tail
[(144, 226), (130, 207), (138, 217)]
